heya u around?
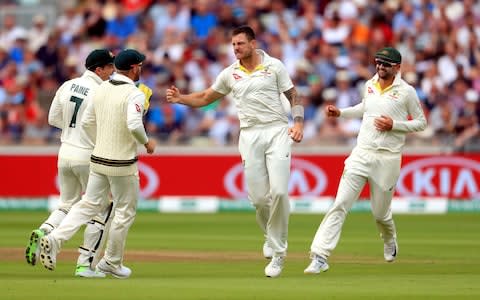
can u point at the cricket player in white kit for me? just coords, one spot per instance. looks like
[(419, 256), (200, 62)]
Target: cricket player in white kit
[(116, 112), (256, 81), (66, 111), (390, 109)]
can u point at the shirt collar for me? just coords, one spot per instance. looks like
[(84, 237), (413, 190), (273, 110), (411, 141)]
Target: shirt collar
[(265, 61), (93, 76), (121, 77)]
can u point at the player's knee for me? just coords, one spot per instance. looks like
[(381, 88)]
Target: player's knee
[(279, 195)]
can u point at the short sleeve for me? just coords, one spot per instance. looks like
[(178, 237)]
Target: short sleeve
[(221, 84)]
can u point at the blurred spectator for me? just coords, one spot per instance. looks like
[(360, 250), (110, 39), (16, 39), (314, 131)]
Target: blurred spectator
[(9, 31), (347, 95), (170, 17), (122, 25), (328, 47), (203, 19), (468, 124), (38, 34), (164, 121), (95, 23), (442, 120), (69, 23)]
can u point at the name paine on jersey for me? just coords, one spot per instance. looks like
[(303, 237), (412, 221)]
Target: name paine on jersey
[(78, 89)]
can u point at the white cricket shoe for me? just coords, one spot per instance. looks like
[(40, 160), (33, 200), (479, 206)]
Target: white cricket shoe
[(317, 266), (274, 268), (48, 252), (390, 251), (267, 250), (121, 272), (85, 271)]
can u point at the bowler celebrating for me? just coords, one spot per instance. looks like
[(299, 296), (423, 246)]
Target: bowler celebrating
[(389, 110), (256, 82)]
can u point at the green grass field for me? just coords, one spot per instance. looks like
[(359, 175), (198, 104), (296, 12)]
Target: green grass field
[(218, 256)]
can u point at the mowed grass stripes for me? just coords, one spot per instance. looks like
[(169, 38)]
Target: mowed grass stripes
[(218, 256)]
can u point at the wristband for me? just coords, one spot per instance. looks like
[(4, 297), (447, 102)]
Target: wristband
[(297, 112)]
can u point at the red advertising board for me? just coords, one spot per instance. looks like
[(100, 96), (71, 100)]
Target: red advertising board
[(221, 175)]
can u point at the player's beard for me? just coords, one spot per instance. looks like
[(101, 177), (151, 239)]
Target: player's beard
[(137, 75), (385, 73), (245, 55)]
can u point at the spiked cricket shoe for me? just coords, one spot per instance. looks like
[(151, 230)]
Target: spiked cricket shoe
[(121, 272), (275, 267), (317, 266), (390, 251), (48, 252), (32, 251)]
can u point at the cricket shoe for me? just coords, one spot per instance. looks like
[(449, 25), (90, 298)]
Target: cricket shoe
[(48, 252), (275, 267), (267, 250), (85, 271), (390, 251), (33, 250), (121, 272), (317, 266)]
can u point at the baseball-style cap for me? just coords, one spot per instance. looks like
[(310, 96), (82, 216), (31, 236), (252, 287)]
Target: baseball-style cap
[(389, 54), (99, 58), (128, 57)]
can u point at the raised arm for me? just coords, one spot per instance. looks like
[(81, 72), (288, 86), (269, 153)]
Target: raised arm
[(197, 99)]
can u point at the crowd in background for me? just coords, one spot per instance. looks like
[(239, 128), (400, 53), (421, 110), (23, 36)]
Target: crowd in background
[(327, 47)]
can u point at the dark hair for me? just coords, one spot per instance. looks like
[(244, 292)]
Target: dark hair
[(245, 29)]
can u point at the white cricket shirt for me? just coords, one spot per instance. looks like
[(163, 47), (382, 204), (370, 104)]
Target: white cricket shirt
[(399, 102), (66, 112), (256, 94)]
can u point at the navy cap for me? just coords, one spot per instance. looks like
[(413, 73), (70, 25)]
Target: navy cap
[(128, 57), (99, 58)]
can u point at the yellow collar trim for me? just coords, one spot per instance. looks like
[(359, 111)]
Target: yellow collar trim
[(379, 88), (257, 68)]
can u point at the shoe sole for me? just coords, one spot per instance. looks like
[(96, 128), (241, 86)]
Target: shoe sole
[(45, 254), (31, 251), (314, 273), (90, 275)]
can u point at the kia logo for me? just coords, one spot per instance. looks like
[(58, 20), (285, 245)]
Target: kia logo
[(440, 176), (306, 178)]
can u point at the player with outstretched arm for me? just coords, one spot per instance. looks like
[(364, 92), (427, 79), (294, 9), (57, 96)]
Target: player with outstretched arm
[(257, 81)]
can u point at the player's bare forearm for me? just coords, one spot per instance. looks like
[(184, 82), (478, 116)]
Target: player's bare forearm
[(296, 103), (295, 132), (196, 99)]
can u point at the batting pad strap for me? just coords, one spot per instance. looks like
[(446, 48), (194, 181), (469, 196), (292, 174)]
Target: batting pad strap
[(298, 112), (97, 224), (85, 251)]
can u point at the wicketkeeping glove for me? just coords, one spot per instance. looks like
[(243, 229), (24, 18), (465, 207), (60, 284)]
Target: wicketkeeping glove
[(148, 94)]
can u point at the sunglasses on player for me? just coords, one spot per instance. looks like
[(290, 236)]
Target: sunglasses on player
[(384, 63)]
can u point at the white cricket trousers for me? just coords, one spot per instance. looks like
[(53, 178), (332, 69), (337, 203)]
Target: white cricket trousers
[(381, 169), (73, 177), (125, 191), (266, 155)]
